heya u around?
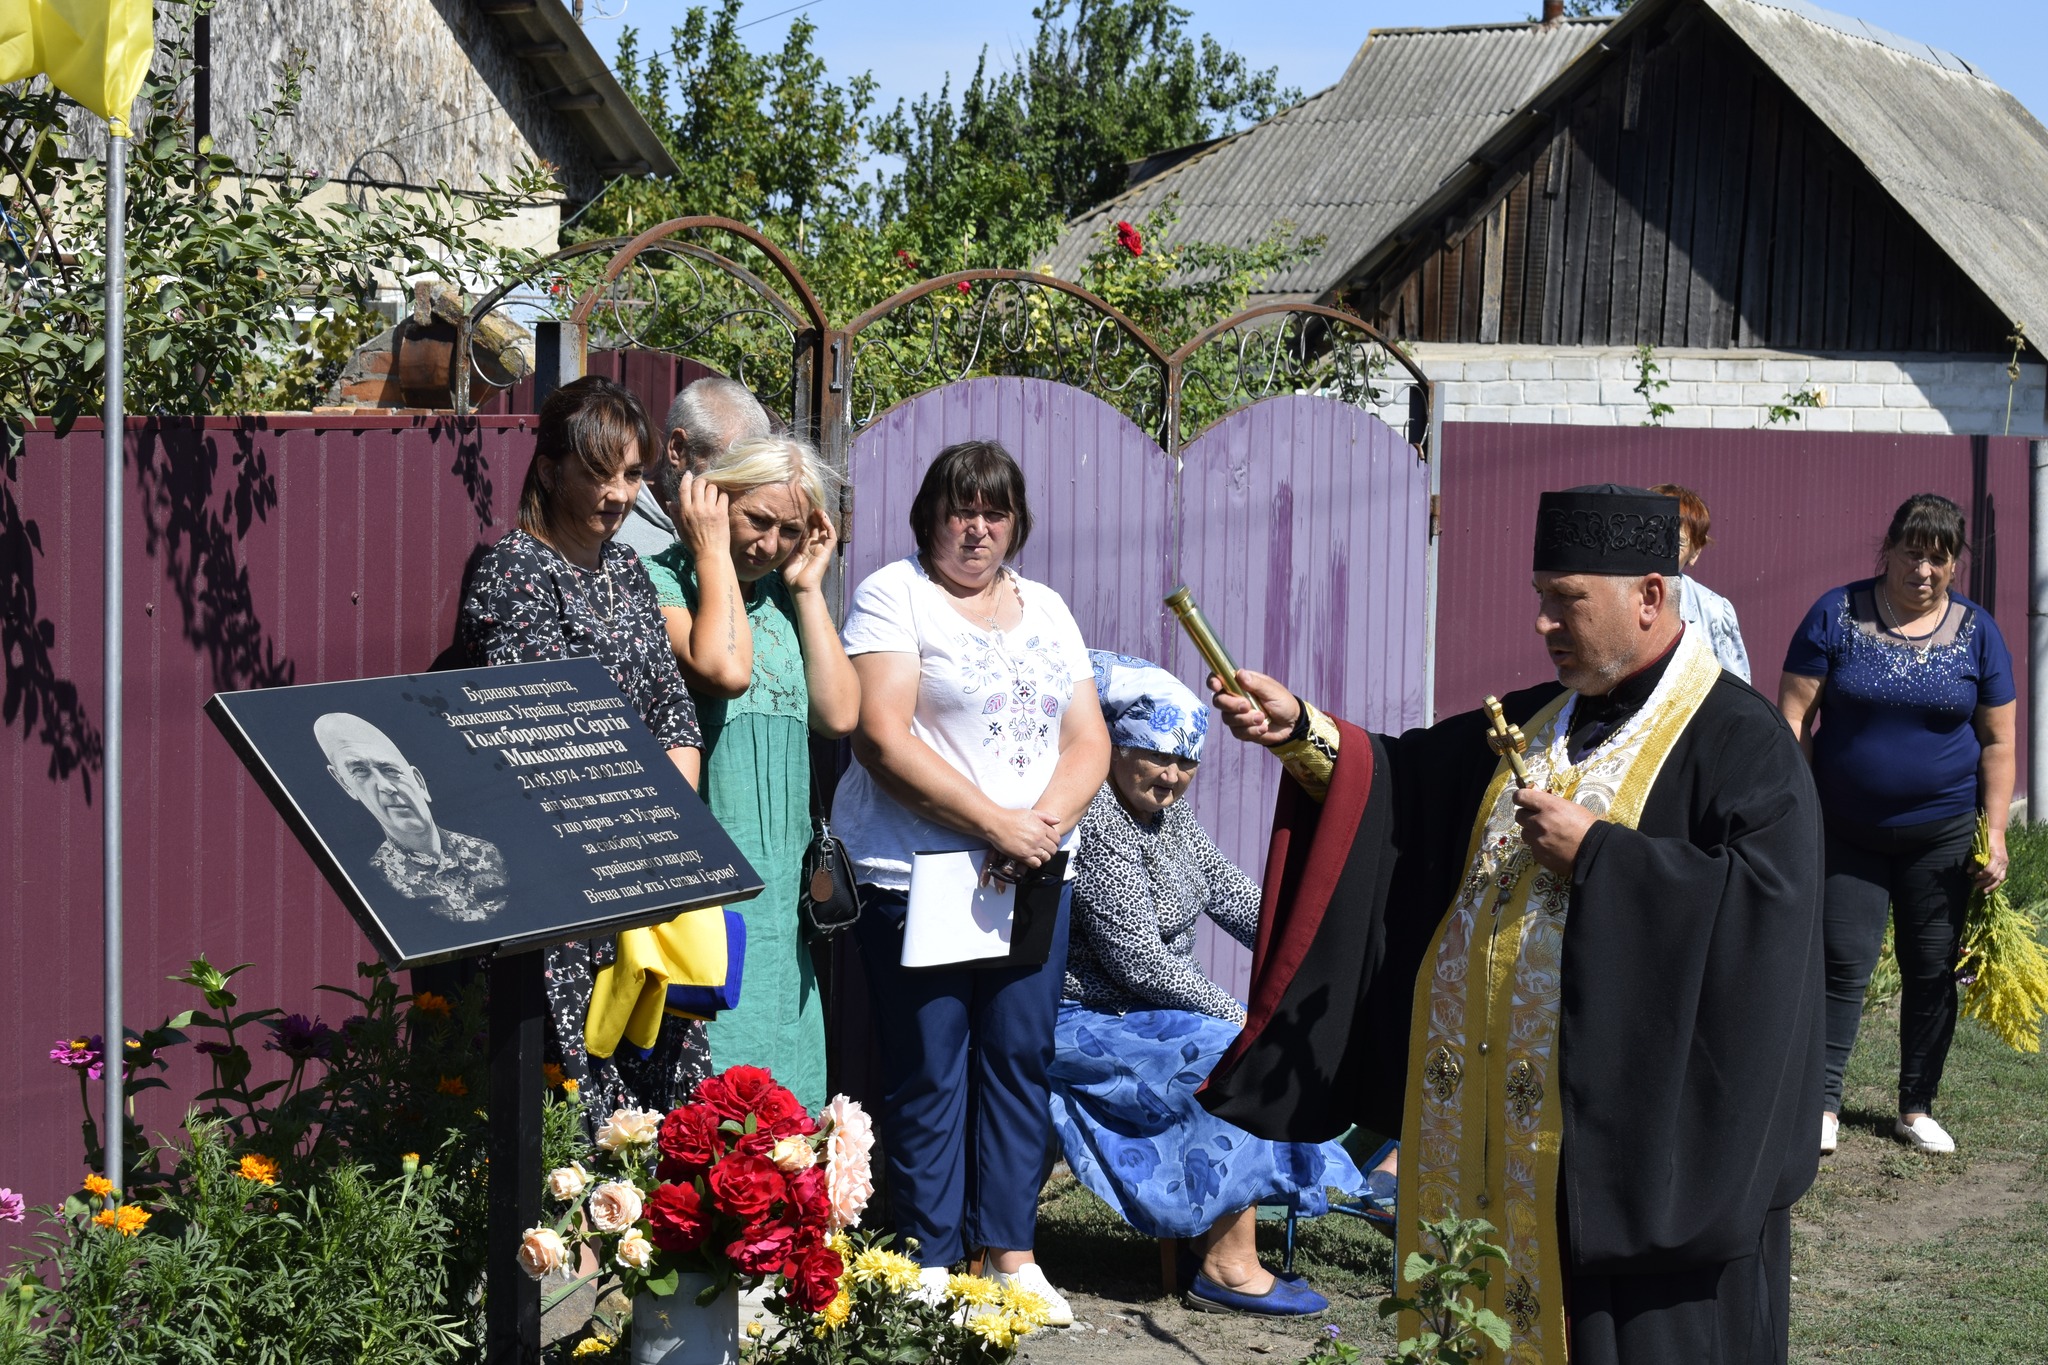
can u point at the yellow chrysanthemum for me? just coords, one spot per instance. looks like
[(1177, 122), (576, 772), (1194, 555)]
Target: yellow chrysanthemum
[(994, 1328), (99, 1185), (126, 1220), (594, 1346), (894, 1272), (842, 1244), (754, 1330), (835, 1313), (1028, 1311), (975, 1289), (258, 1170)]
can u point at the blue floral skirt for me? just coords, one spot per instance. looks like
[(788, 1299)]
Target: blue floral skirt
[(1123, 1103)]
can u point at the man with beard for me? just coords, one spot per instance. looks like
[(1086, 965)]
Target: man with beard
[(1589, 1003), (461, 878)]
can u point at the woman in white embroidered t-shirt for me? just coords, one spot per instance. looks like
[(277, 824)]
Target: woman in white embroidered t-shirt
[(979, 730)]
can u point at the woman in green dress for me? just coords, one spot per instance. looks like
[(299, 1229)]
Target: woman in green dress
[(741, 595)]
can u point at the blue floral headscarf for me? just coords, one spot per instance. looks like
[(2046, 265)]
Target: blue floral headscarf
[(1148, 708)]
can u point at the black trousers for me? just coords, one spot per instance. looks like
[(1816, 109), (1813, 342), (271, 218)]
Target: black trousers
[(1923, 873)]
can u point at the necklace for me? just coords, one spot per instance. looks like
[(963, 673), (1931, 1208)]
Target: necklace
[(1888, 617), (604, 572), (987, 621)]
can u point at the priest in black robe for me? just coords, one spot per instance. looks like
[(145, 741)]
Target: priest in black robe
[(1591, 1005)]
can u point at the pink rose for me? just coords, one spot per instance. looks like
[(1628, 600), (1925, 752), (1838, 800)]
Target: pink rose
[(849, 1182), (635, 1250), (614, 1206), (793, 1154), (541, 1252), (568, 1182)]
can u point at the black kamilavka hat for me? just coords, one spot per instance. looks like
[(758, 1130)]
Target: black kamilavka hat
[(1607, 528)]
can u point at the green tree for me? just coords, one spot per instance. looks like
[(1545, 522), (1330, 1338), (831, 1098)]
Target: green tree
[(981, 179), (225, 262)]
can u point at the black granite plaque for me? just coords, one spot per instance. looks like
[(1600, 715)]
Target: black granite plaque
[(486, 808)]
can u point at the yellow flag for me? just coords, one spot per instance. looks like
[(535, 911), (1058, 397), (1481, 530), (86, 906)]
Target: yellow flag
[(96, 51), (17, 41)]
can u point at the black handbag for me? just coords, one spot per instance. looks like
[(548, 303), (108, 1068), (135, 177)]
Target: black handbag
[(828, 900)]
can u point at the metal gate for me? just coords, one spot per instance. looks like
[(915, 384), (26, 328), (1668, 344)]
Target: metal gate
[(1278, 463)]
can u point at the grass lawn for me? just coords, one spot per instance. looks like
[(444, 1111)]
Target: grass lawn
[(1898, 1257)]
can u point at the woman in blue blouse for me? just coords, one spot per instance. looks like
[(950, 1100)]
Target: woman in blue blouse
[(1912, 687), (1140, 1025)]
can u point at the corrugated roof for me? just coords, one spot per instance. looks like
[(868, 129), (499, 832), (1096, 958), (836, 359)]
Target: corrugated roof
[(1961, 156), (1353, 161)]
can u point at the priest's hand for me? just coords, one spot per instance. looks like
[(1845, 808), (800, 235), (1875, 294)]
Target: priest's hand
[(1268, 718), (1552, 827)]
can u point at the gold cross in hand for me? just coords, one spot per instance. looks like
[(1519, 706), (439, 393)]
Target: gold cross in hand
[(1506, 740)]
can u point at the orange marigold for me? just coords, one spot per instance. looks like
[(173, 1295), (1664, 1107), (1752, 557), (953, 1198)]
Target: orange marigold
[(126, 1220), (452, 1085), (552, 1074), (258, 1170), (426, 1002), (99, 1185)]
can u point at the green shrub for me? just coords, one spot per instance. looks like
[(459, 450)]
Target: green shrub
[(332, 1214)]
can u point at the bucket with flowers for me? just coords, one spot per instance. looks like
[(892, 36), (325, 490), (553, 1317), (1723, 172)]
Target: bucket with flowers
[(737, 1187)]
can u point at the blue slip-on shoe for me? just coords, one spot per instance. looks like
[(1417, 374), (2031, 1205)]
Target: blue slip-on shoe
[(1286, 1299)]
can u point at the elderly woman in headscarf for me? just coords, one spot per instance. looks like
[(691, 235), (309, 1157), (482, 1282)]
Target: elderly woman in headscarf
[(1140, 1025)]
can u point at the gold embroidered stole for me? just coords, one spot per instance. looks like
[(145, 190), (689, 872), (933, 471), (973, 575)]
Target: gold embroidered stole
[(1483, 1117)]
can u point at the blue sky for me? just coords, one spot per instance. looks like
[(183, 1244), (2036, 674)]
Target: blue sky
[(910, 45)]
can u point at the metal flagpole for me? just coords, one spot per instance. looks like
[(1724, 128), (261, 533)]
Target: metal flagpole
[(2037, 635), (113, 1052)]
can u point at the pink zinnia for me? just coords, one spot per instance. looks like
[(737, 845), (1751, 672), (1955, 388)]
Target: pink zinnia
[(849, 1181), (13, 1208), (80, 1054)]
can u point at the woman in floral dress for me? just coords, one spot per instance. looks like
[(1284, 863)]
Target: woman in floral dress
[(559, 587)]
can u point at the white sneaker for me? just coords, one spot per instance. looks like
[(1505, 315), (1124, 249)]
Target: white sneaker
[(1924, 1134), (931, 1285), (1058, 1312), (1830, 1126)]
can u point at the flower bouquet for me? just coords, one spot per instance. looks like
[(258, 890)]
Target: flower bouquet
[(738, 1186)]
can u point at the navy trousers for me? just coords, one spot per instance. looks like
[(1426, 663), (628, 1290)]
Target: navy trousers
[(966, 1117)]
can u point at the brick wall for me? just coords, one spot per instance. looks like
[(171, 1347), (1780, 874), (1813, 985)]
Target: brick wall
[(1909, 394)]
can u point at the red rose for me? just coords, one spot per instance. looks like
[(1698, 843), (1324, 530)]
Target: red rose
[(965, 287), (737, 1091), (677, 1216), (759, 1143), (745, 1186), (811, 1201), (782, 1116), (816, 1279), (1128, 238), (689, 1138), (762, 1248)]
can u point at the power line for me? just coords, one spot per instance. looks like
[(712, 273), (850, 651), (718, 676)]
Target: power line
[(777, 15)]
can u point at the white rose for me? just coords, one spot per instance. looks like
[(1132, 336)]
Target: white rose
[(793, 1154), (614, 1206), (635, 1250), (568, 1182), (629, 1128), (541, 1252)]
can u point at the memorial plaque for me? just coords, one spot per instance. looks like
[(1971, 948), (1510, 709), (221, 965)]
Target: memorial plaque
[(485, 808)]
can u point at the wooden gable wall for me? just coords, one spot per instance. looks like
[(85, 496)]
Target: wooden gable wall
[(1685, 198)]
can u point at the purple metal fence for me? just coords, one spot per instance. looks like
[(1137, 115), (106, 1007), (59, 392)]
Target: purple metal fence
[(260, 551), (1301, 522), (1305, 534), (1794, 513), (1101, 494)]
